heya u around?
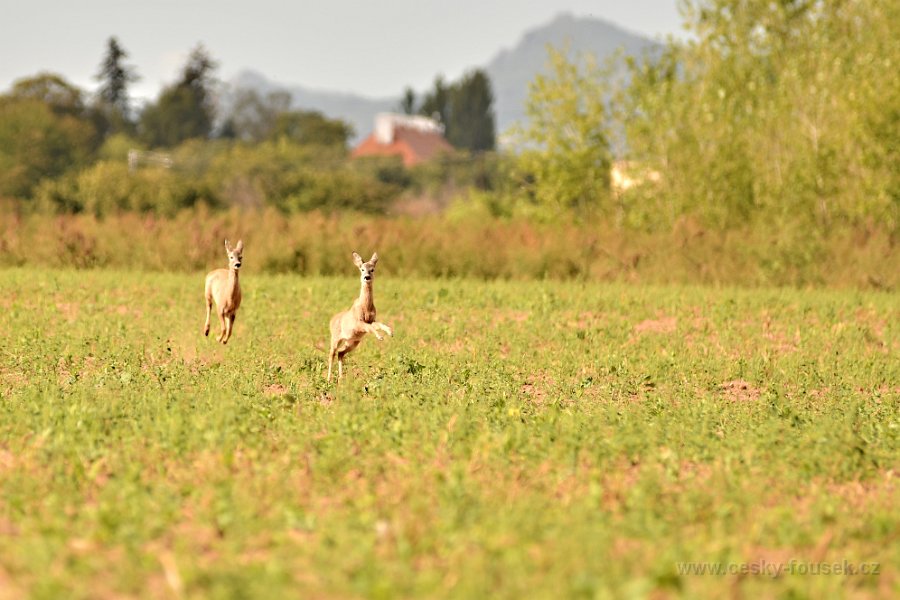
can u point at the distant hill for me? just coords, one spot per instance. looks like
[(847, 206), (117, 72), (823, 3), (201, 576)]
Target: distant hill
[(510, 71)]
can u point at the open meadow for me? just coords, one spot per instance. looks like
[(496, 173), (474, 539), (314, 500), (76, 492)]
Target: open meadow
[(514, 438)]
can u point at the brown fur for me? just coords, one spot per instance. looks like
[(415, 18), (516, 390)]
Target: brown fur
[(223, 287), (350, 326)]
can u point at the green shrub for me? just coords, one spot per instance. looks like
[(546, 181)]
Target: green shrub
[(108, 187)]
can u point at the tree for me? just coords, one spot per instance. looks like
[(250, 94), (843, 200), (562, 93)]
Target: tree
[(59, 95), (436, 103), (464, 108), (773, 111), (112, 96), (408, 102), (39, 140), (311, 127), (471, 120), (184, 110), (253, 117), (564, 159)]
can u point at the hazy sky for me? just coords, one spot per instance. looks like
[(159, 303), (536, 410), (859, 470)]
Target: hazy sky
[(373, 47)]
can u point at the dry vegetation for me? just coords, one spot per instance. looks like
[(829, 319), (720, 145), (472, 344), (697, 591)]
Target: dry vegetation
[(863, 256)]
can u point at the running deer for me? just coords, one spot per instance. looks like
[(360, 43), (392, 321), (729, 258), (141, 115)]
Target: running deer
[(222, 286), (349, 327)]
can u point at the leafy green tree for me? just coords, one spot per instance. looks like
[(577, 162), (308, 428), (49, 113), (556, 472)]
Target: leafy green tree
[(436, 103), (40, 140), (59, 95), (564, 154), (311, 128), (464, 108), (184, 110), (253, 117), (773, 111), (112, 96), (471, 120)]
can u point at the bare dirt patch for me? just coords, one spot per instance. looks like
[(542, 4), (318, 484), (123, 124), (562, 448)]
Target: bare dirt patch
[(124, 310), (739, 390), (584, 319), (275, 389), (510, 316), (10, 380), (660, 325), (69, 310), (861, 493), (538, 387)]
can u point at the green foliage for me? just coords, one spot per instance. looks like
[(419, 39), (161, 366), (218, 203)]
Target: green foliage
[(465, 108), (294, 177), (770, 115), (436, 103), (112, 96), (408, 102), (107, 187), (774, 111), (311, 128), (184, 110), (59, 95), (458, 171), (514, 439), (564, 157), (252, 117), (471, 125), (117, 146), (37, 141)]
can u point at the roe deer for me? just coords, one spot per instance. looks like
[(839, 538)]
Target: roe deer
[(222, 286), (349, 327)]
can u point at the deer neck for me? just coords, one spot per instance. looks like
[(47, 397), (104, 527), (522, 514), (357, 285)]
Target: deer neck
[(232, 279), (365, 302)]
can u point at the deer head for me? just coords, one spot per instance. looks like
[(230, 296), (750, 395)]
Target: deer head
[(234, 254), (366, 269)]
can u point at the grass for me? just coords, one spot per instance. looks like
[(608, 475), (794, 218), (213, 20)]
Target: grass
[(513, 439)]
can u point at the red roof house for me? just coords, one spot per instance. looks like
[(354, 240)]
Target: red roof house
[(414, 138)]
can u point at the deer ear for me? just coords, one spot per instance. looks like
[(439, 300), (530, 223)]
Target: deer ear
[(240, 246), (227, 245), (374, 258), (357, 259)]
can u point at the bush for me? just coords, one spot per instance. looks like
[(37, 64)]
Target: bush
[(296, 178), (108, 187)]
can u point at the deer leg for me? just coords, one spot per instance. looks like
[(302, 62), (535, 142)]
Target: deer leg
[(229, 321), (385, 328), (221, 335), (331, 354), (208, 311), (341, 364), (371, 328)]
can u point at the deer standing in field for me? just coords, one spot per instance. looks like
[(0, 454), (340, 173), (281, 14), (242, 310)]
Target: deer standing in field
[(349, 327), (222, 286)]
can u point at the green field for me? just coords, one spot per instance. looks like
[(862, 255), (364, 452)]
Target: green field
[(514, 439)]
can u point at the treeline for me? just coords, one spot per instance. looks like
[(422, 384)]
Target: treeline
[(771, 114), (65, 151)]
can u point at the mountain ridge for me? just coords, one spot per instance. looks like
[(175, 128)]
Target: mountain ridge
[(510, 71)]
